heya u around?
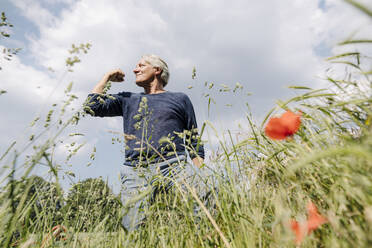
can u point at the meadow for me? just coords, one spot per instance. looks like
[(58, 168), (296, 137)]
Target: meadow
[(301, 179)]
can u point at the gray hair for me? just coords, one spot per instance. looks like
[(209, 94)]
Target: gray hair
[(156, 61)]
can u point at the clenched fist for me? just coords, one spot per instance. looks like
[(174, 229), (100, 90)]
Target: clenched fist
[(115, 76)]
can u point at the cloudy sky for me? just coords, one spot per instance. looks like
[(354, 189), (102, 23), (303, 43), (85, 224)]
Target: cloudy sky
[(263, 45)]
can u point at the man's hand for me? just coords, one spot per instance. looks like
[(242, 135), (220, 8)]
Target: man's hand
[(198, 161), (116, 75)]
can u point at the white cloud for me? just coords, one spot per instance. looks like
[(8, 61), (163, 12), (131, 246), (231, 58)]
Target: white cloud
[(35, 12), (26, 82)]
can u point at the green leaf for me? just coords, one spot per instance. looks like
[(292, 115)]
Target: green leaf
[(367, 72), (346, 63), (361, 7), (299, 88), (344, 55), (346, 42)]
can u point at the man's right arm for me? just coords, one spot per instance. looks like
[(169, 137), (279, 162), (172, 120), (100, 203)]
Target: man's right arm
[(113, 76), (98, 104)]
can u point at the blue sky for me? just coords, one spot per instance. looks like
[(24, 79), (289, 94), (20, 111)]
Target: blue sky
[(265, 46)]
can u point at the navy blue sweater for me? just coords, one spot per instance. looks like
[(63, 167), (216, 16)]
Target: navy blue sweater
[(156, 126)]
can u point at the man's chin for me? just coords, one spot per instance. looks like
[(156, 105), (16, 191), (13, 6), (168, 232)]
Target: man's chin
[(141, 83)]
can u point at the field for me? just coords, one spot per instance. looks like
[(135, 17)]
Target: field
[(302, 180)]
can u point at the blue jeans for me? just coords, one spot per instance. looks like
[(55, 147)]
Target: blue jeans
[(140, 185)]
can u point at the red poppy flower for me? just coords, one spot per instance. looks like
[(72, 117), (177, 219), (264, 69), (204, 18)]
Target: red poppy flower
[(315, 219), (298, 230), (281, 127)]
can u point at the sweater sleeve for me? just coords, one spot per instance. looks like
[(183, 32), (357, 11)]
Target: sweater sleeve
[(104, 105), (192, 140)]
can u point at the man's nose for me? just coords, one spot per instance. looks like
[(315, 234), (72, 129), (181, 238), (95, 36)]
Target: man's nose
[(136, 70)]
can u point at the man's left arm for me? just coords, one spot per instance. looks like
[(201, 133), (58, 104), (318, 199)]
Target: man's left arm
[(193, 141)]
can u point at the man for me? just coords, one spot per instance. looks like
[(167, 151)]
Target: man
[(159, 126)]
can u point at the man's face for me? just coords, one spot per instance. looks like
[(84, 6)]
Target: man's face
[(145, 73)]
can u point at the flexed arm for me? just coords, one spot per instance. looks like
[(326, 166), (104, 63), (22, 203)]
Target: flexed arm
[(116, 75), (100, 104)]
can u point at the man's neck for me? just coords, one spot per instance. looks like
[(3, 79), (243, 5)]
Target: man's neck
[(154, 87)]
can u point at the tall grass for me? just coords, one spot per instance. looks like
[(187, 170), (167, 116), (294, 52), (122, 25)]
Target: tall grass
[(255, 186)]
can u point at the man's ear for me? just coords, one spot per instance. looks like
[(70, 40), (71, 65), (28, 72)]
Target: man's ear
[(158, 70)]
